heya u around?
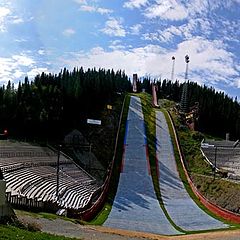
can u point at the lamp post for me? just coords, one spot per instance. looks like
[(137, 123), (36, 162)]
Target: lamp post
[(58, 162)]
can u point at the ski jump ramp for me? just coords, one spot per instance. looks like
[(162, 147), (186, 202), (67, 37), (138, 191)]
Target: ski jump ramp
[(181, 208), (135, 206)]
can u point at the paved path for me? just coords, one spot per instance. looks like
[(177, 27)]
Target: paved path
[(70, 229), (135, 206), (181, 208)]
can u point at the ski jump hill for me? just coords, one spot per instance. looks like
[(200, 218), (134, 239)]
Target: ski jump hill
[(136, 206)]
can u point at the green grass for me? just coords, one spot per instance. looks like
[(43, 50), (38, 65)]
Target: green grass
[(10, 233), (103, 214)]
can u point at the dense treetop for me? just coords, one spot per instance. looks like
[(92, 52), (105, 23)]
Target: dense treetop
[(218, 113), (51, 103)]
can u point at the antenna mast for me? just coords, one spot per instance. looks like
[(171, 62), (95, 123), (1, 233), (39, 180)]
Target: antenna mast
[(184, 97)]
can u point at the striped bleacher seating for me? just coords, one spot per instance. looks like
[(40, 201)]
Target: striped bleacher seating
[(227, 156), (30, 174)]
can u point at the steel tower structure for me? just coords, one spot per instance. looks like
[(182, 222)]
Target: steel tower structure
[(184, 97)]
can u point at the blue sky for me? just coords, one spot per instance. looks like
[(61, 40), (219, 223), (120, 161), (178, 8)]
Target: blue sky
[(138, 36)]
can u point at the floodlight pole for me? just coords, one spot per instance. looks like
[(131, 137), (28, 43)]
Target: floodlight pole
[(173, 64), (186, 72)]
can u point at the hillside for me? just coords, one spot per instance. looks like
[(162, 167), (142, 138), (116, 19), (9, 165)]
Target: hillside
[(220, 191)]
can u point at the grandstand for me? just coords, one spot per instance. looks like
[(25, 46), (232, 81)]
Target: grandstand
[(31, 179), (226, 154)]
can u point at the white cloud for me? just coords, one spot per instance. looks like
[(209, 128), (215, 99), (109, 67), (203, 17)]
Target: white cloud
[(163, 36), (104, 10), (68, 32), (135, 29), (200, 7), (81, 1), (209, 63), (92, 9), (35, 71), (41, 52), (116, 45), (23, 60), (20, 40), (236, 83), (12, 67), (17, 20), (4, 12), (135, 3), (114, 27), (192, 28), (167, 9), (18, 74)]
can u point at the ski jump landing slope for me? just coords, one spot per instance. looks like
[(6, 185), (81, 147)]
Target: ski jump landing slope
[(135, 205), (182, 209)]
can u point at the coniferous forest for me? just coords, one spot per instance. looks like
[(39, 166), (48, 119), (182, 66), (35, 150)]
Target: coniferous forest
[(218, 113), (51, 104)]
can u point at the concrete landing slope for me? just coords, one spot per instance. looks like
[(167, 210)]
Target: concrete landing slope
[(135, 205), (182, 209)]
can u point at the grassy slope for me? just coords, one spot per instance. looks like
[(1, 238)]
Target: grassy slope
[(219, 191), (10, 233), (103, 214)]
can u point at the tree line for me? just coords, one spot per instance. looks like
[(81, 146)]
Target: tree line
[(53, 103), (218, 113)]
